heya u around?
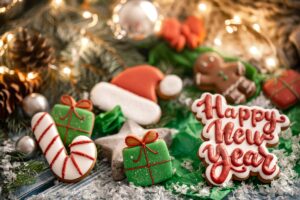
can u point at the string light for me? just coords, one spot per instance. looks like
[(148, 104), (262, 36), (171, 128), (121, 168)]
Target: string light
[(218, 41), (84, 41), (254, 51), (271, 62), (236, 19), (6, 70), (202, 7), (2, 10), (57, 3), (9, 37), (256, 27), (31, 75), (67, 71), (3, 69), (10, 6), (86, 14), (229, 29)]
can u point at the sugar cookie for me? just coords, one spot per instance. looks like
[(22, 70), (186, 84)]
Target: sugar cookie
[(141, 110), (236, 139), (68, 168)]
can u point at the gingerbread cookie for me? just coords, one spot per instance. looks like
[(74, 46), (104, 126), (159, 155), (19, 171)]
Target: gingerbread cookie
[(236, 139), (135, 90), (215, 75), (68, 168)]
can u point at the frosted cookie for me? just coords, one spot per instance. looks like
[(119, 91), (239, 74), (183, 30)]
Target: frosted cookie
[(213, 74), (68, 168), (135, 90), (113, 145), (141, 110), (236, 139)]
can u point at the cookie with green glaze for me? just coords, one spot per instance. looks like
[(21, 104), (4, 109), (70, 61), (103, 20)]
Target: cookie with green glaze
[(73, 119), (147, 161)]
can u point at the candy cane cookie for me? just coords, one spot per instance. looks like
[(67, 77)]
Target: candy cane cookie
[(68, 168)]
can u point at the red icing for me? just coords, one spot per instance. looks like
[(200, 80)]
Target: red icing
[(230, 125), (238, 158), (75, 164), (141, 80), (38, 121), (243, 114), (45, 132), (82, 154), (50, 144), (80, 143), (64, 167), (55, 157)]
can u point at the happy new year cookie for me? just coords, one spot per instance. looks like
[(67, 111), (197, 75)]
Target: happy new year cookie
[(236, 139), (68, 168), (226, 78)]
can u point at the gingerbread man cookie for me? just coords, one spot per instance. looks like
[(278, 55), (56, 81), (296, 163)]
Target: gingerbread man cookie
[(236, 139), (213, 74), (68, 168)]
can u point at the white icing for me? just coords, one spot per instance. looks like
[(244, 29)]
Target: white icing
[(71, 173), (171, 85), (210, 137), (141, 110)]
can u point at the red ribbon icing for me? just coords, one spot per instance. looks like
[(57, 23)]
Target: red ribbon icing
[(69, 101), (149, 137)]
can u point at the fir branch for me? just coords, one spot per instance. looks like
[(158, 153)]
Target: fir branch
[(26, 173)]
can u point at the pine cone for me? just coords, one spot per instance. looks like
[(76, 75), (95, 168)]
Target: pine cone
[(13, 88), (30, 50)]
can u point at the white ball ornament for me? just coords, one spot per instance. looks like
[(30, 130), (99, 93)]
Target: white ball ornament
[(135, 19), (35, 103), (26, 145)]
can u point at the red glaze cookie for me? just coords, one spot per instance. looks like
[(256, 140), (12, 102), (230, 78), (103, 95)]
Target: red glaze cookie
[(141, 80), (287, 85)]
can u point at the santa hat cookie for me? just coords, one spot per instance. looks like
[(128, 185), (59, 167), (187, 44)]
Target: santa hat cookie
[(135, 90)]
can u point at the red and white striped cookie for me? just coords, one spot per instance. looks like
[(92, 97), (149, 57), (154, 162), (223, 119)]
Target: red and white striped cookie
[(68, 168)]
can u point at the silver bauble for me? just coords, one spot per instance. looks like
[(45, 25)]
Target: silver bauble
[(135, 19), (26, 145), (35, 103)]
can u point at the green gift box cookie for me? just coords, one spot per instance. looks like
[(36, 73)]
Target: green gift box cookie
[(147, 161), (73, 118)]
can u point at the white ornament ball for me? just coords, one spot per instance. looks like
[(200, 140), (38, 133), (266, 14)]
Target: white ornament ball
[(35, 103), (135, 19), (26, 145)]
